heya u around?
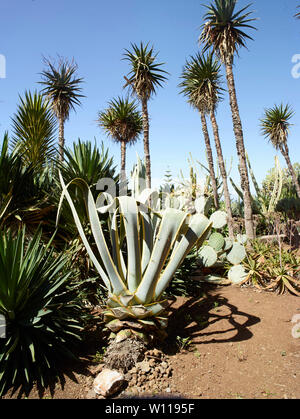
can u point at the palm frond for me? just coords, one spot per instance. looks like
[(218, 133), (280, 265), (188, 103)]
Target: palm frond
[(201, 82), (276, 123), (62, 86), (146, 74), (122, 120), (223, 28)]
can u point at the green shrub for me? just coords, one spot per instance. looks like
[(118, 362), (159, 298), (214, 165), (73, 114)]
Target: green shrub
[(43, 318)]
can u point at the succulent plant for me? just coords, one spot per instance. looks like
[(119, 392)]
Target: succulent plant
[(207, 256), (219, 219), (237, 274), (216, 241), (237, 254)]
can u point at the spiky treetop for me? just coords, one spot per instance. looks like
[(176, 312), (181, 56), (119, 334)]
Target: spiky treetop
[(145, 74), (62, 87), (276, 123), (121, 120), (34, 128), (223, 28), (202, 82)]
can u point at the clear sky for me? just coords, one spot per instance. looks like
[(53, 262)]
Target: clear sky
[(96, 32)]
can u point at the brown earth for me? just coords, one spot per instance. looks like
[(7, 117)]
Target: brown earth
[(239, 345)]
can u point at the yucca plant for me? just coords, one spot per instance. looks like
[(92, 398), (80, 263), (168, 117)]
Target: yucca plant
[(23, 190), (145, 76), (275, 126), (43, 319), (136, 285), (33, 127), (223, 30), (202, 86), (123, 123), (63, 89)]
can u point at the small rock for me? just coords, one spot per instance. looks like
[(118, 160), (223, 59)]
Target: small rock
[(144, 366), (164, 364), (96, 369), (91, 394), (108, 382), (152, 362), (156, 353)]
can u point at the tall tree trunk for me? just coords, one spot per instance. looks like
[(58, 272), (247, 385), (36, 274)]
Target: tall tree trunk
[(146, 142), (223, 173), (210, 160), (285, 152), (61, 138), (123, 161), (239, 137), (123, 181)]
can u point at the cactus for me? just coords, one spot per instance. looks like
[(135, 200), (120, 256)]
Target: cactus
[(259, 204), (237, 274), (242, 238), (216, 241), (219, 219), (218, 250), (237, 254), (207, 256)]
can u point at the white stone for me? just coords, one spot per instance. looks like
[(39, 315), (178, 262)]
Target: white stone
[(108, 382)]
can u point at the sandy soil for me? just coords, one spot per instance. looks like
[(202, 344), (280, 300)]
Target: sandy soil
[(240, 345)]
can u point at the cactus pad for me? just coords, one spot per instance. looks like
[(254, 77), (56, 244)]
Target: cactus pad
[(237, 254), (219, 219), (208, 256), (216, 241), (237, 274)]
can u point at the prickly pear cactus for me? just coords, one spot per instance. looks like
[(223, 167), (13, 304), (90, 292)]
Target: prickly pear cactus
[(219, 250)]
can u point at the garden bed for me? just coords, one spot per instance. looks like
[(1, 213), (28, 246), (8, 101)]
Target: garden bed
[(235, 343)]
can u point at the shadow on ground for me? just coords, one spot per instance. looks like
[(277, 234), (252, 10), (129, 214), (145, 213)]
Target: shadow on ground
[(198, 318)]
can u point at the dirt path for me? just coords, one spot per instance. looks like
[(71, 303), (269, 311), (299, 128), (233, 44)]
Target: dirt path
[(244, 346)]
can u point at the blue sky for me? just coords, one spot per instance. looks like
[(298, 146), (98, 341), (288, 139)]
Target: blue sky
[(96, 32)]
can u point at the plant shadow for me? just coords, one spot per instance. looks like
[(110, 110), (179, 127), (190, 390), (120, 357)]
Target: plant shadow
[(199, 319)]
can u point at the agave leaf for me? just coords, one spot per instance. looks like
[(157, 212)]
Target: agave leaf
[(112, 279), (129, 212), (196, 233), (170, 226)]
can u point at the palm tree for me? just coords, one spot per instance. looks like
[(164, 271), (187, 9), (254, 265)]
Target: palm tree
[(62, 88), (223, 30), (275, 126), (123, 123), (145, 77), (34, 128), (201, 84)]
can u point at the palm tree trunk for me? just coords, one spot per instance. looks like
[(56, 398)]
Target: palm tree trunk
[(146, 142), (61, 138), (123, 162), (239, 137), (210, 160), (223, 173), (285, 152)]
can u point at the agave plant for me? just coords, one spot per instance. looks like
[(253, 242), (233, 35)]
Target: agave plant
[(154, 252), (43, 320)]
